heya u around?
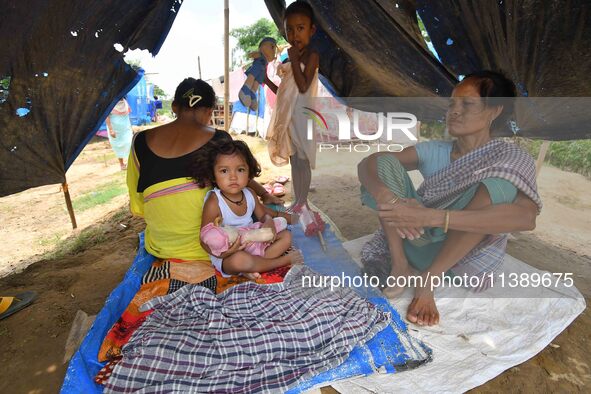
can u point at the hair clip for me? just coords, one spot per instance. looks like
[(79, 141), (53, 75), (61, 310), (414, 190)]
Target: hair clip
[(193, 98)]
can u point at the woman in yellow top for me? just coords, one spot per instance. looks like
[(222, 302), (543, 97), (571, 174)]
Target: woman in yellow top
[(160, 186), (162, 191)]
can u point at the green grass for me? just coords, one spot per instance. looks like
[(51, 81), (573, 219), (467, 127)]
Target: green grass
[(52, 240), (78, 243), (101, 195), (166, 108), (573, 156), (86, 239), (107, 157)]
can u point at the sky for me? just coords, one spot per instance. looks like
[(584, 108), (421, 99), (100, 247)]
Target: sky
[(198, 30)]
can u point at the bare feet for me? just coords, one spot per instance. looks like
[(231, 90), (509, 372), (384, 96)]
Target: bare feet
[(251, 275), (295, 257), (422, 310)]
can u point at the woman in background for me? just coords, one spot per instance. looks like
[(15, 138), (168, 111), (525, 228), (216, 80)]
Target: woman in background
[(120, 133)]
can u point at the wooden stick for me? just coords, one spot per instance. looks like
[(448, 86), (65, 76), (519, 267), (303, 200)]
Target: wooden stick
[(69, 204), (542, 156), (226, 65), (322, 242)]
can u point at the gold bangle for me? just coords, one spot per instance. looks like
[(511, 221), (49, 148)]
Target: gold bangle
[(446, 223), (394, 200)]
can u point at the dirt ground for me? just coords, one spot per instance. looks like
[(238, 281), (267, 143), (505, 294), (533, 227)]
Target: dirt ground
[(35, 222)]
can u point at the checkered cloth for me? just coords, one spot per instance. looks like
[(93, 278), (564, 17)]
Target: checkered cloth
[(487, 257), (250, 338), (496, 159)]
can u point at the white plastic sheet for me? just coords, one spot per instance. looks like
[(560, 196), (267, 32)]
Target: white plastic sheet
[(478, 337)]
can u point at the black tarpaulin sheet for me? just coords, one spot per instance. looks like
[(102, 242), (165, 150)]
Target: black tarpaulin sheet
[(373, 48), (65, 76), (544, 46)]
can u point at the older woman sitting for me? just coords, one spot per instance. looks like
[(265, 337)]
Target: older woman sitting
[(476, 190)]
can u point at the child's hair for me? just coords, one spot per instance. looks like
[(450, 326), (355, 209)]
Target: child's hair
[(299, 8), (194, 93), (202, 167), (268, 39)]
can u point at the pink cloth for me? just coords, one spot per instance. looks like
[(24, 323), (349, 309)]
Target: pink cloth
[(218, 241), (272, 74), (237, 79)]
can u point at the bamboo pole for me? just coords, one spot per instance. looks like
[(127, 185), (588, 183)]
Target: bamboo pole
[(542, 156), (69, 205), (199, 65), (227, 65)]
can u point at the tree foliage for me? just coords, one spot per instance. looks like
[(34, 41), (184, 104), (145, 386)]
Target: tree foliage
[(159, 92), (136, 64), (249, 36), (424, 32)]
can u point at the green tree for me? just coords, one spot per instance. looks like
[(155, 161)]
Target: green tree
[(159, 92), (249, 36), (424, 32), (5, 82), (136, 64)]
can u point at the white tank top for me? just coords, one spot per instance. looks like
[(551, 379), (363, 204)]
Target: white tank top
[(228, 216)]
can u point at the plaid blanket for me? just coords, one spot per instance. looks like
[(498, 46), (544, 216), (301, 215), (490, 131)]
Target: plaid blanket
[(250, 338), (496, 159)]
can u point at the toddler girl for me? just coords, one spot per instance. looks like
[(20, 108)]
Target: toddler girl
[(229, 167)]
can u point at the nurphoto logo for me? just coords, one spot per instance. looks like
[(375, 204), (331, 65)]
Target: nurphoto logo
[(389, 126)]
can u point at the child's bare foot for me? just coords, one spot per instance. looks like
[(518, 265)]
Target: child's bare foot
[(295, 257), (422, 310), (251, 275), (296, 207)]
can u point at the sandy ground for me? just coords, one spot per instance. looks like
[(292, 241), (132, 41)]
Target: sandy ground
[(33, 222)]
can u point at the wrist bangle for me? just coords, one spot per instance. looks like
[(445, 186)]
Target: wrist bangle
[(394, 200), (446, 222)]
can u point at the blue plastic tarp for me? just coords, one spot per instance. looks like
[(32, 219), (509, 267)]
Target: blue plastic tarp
[(392, 350)]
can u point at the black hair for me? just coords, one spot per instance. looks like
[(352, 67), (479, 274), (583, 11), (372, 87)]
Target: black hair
[(202, 167), (496, 90), (299, 8), (189, 91)]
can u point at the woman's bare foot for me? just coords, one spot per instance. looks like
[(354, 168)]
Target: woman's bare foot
[(422, 310)]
